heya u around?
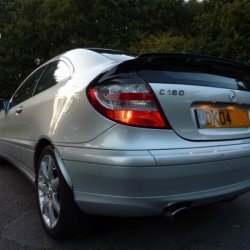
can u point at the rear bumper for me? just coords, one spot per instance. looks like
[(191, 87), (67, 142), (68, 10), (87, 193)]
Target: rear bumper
[(139, 183), (122, 206)]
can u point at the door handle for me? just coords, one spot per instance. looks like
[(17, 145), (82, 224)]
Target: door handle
[(19, 111)]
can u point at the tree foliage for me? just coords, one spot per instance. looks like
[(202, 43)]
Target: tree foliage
[(161, 42), (224, 29), (32, 31)]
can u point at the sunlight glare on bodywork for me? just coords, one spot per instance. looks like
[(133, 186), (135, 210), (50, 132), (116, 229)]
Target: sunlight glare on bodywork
[(63, 100)]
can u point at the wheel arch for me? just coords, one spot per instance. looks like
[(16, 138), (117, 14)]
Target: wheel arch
[(42, 143)]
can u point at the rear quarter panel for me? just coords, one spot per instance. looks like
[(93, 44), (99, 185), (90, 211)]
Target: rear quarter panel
[(62, 113)]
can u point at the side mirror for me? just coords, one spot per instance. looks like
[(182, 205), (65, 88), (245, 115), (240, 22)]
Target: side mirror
[(3, 104)]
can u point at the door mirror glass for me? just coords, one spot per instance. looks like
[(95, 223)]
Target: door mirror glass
[(3, 104)]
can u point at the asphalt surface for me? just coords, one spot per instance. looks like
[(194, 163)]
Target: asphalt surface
[(220, 226)]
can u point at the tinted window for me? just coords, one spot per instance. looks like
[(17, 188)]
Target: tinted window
[(27, 88), (194, 70), (56, 72)]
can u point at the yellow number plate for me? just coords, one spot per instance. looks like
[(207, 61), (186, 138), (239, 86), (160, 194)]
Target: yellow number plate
[(222, 118)]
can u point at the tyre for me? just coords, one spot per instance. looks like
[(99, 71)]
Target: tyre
[(58, 212)]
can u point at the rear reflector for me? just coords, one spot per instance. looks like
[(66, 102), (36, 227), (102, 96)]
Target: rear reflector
[(130, 104)]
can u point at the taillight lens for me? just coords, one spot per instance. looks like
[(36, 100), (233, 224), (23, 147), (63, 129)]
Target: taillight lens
[(132, 104)]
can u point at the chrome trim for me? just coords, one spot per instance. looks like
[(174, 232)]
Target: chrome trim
[(232, 96)]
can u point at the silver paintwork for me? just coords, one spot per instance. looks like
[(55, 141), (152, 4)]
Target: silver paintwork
[(139, 191), (181, 107), (58, 114), (120, 170), (62, 168)]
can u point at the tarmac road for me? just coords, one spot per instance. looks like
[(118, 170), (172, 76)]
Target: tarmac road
[(221, 226)]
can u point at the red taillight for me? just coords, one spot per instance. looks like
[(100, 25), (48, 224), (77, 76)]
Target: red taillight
[(131, 104)]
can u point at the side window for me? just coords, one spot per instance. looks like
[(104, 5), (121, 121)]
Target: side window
[(26, 89), (56, 72)]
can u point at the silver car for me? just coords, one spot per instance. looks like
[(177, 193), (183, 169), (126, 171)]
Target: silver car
[(108, 133)]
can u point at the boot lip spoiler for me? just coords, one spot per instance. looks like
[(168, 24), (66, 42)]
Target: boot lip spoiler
[(151, 67), (151, 57)]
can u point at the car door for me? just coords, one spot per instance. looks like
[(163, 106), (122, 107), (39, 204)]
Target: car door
[(11, 122)]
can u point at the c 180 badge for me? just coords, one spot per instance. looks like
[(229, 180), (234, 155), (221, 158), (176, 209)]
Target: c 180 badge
[(173, 92)]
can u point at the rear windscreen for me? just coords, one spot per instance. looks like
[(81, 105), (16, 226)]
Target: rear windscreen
[(195, 72)]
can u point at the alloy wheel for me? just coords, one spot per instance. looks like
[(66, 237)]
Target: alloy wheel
[(49, 191)]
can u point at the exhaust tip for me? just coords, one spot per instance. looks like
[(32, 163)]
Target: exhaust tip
[(177, 211)]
